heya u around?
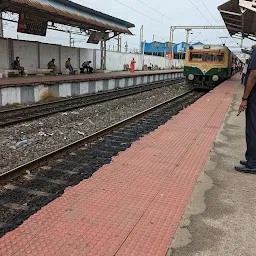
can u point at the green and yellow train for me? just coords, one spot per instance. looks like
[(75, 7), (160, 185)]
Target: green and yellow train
[(206, 66)]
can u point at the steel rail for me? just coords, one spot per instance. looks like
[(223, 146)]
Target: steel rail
[(111, 95), (66, 149)]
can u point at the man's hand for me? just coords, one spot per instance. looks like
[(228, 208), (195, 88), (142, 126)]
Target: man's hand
[(242, 107)]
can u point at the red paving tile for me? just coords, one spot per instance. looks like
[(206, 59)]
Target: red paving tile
[(133, 205), (85, 77)]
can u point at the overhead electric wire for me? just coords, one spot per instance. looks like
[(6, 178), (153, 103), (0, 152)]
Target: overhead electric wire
[(157, 11), (214, 18), (130, 7), (208, 11), (200, 12), (208, 20)]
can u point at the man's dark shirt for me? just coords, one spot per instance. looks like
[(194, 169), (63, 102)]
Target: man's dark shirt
[(251, 66), (16, 64)]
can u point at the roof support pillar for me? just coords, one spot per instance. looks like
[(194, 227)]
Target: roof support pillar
[(1, 25), (10, 51), (103, 47), (105, 54)]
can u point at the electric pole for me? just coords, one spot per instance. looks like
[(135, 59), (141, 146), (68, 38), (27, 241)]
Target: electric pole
[(126, 47), (188, 31), (120, 44), (70, 38), (153, 43), (141, 38)]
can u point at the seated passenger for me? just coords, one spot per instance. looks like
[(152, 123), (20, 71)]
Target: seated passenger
[(51, 65), (86, 65), (69, 66), (16, 65)]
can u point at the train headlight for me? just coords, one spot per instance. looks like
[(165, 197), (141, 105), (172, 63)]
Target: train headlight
[(191, 77), (215, 78)]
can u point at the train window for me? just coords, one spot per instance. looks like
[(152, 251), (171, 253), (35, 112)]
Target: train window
[(207, 57), (195, 56)]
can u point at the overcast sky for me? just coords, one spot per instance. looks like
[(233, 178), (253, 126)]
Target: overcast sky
[(156, 16)]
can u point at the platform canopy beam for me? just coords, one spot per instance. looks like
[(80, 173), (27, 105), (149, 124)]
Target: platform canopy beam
[(188, 29), (99, 26), (243, 16), (68, 13)]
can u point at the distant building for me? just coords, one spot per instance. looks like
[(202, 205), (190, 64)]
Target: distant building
[(160, 49)]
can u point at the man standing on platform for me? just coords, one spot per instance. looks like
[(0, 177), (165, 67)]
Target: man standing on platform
[(249, 104), (245, 68)]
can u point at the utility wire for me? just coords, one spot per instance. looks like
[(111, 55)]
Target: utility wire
[(209, 21), (200, 12), (208, 11), (130, 7), (213, 16), (157, 11)]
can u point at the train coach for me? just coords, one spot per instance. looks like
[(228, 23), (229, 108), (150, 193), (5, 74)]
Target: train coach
[(206, 66)]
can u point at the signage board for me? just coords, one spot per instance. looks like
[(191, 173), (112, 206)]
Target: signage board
[(95, 37), (30, 24)]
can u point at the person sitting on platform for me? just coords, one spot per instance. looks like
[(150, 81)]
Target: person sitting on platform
[(151, 66), (16, 65), (69, 66), (51, 65), (86, 65)]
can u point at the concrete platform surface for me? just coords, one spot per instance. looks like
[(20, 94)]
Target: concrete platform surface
[(82, 77), (221, 216), (133, 205)]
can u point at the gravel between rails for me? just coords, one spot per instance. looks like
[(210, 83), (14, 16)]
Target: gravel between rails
[(24, 142)]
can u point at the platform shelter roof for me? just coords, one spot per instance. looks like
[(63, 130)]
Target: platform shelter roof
[(238, 19), (68, 13)]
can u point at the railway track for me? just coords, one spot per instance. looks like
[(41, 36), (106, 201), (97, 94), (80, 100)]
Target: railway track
[(27, 188), (22, 114)]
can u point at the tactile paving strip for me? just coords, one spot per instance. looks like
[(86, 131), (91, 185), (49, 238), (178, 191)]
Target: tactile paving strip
[(133, 205)]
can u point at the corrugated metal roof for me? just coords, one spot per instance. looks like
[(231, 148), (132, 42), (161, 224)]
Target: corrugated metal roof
[(69, 13), (238, 21)]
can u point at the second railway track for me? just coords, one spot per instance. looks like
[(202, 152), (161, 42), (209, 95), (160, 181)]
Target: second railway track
[(17, 115), (27, 188)]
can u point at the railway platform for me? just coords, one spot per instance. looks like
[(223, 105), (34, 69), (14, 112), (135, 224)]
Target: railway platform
[(142, 202), (23, 90)]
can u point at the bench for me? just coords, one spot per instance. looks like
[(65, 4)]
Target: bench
[(145, 67), (14, 72), (126, 67), (77, 71), (44, 71), (65, 71)]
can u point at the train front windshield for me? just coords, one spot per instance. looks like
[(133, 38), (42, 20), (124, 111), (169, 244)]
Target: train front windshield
[(206, 57)]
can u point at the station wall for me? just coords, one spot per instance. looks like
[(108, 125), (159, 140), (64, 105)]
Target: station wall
[(36, 55), (4, 54)]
